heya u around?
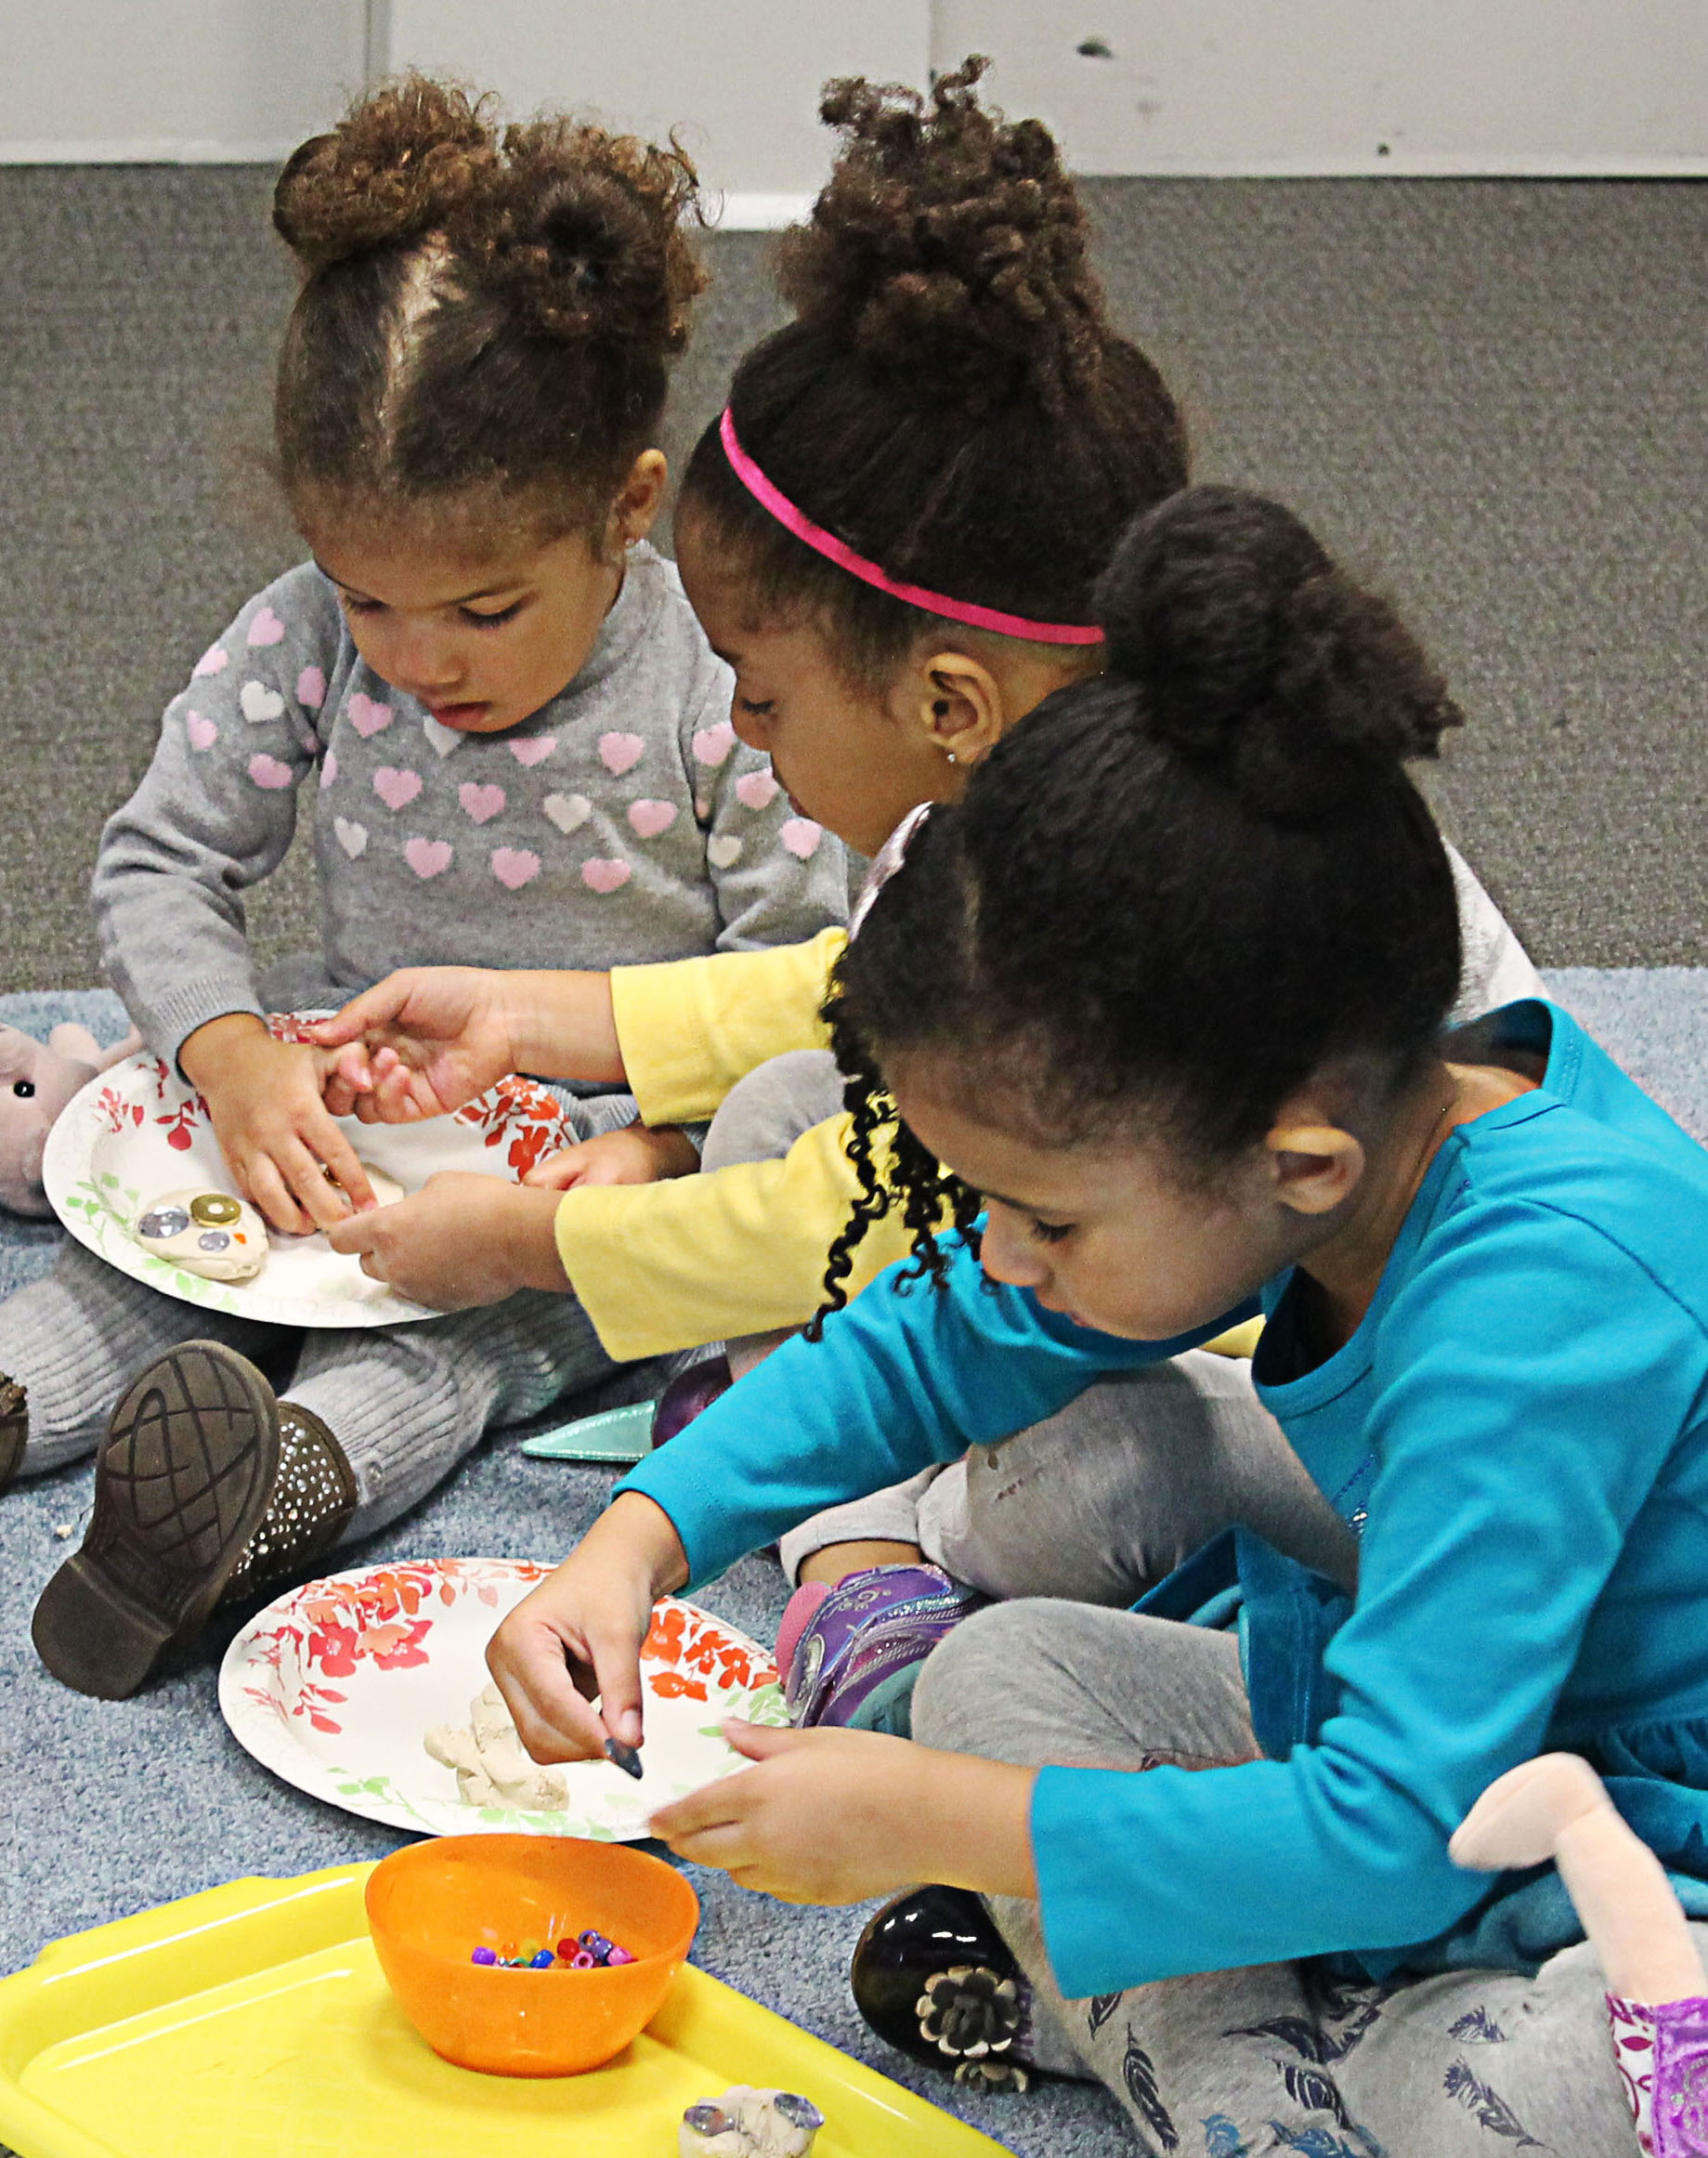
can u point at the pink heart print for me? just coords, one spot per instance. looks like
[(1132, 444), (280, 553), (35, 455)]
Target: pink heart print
[(802, 836), (532, 750), (713, 744), (600, 875), (514, 866), (268, 772), (395, 787), (757, 789), (482, 804), (203, 733), (428, 858), (215, 660), (329, 767), (650, 818), (620, 753), (311, 688), (368, 716), (265, 629)]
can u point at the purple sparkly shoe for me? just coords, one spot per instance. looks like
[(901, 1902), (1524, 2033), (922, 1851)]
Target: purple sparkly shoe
[(1662, 2052), (867, 1640), (694, 1389)]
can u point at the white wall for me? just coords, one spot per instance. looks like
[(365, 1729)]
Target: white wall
[(741, 81), (176, 80), (1350, 85), (1132, 86)]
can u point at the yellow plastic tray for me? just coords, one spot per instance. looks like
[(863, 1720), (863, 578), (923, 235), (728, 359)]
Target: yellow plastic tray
[(252, 2022)]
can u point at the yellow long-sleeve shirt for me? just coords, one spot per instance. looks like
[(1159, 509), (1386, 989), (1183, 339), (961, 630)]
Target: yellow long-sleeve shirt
[(742, 1249)]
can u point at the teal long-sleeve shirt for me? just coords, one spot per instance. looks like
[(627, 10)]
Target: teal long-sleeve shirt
[(1522, 1416)]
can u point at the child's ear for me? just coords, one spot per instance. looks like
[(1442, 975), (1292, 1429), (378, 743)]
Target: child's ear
[(641, 497), (960, 704), (1314, 1166)]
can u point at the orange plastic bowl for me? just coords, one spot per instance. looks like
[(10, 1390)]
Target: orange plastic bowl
[(431, 1905)]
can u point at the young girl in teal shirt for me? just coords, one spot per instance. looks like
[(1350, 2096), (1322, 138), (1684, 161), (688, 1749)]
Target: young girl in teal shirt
[(1193, 1067)]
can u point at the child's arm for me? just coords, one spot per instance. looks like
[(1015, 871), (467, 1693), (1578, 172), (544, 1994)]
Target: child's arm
[(907, 1376), (213, 815)]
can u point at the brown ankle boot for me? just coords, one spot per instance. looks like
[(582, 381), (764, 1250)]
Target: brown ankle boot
[(181, 1484), (313, 1499), (14, 1428)]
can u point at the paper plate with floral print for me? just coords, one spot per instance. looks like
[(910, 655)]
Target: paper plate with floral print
[(140, 1131), (335, 1686)]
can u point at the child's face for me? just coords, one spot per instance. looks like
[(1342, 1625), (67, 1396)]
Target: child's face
[(482, 638), (1100, 1231), (851, 759)]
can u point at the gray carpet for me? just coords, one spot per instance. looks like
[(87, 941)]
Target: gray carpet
[(112, 1808), (1489, 393)]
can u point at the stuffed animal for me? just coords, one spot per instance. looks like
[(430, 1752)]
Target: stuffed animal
[(1556, 1807), (37, 1078)]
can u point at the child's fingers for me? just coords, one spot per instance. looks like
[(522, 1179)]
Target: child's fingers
[(758, 1742), (268, 1191), (341, 1158), (557, 1172), (725, 1845), (721, 1806), (374, 1008), (554, 1719)]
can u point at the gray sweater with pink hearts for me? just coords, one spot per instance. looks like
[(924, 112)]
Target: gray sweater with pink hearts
[(621, 823)]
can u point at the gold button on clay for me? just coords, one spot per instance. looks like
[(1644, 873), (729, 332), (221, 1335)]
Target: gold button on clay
[(213, 1209)]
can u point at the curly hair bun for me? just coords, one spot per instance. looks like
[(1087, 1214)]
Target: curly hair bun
[(582, 235), (1257, 655), (949, 246), (404, 159)]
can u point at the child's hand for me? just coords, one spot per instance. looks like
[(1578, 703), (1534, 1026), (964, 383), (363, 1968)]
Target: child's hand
[(460, 1240), (279, 1143), (834, 1816), (579, 1634), (426, 1039), (420, 1043), (634, 1155)]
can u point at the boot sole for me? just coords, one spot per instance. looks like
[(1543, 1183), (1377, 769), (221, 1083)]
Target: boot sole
[(181, 1484)]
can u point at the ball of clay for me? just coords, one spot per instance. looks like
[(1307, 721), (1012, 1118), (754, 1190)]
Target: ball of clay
[(492, 1768), (747, 2123), (208, 1232)]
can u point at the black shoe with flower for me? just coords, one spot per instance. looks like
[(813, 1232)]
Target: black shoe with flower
[(933, 1977)]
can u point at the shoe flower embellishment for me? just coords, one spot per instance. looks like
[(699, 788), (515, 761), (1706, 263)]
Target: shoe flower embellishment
[(968, 2011)]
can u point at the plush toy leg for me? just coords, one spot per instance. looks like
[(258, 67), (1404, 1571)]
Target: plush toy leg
[(1557, 1806)]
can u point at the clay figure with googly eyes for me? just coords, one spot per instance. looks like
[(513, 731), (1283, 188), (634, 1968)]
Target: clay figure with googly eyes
[(210, 1232), (746, 2123)]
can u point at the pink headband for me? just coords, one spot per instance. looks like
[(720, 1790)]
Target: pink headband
[(834, 550)]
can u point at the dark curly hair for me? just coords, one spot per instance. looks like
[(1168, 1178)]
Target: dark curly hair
[(1177, 890), (950, 400), (482, 312)]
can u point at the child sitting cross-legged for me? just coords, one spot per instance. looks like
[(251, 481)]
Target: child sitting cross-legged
[(1192, 1066), (493, 691)]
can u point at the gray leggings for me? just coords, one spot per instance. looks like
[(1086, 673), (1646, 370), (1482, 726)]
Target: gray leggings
[(1277, 2056), (406, 1402), (1099, 1502)]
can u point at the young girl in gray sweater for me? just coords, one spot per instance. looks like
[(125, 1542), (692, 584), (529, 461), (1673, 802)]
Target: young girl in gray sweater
[(522, 757)]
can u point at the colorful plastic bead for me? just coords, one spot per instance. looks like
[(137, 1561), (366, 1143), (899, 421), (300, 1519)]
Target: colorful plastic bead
[(528, 1950), (566, 1949), (584, 1960), (483, 1955), (619, 1955), (544, 1961)]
